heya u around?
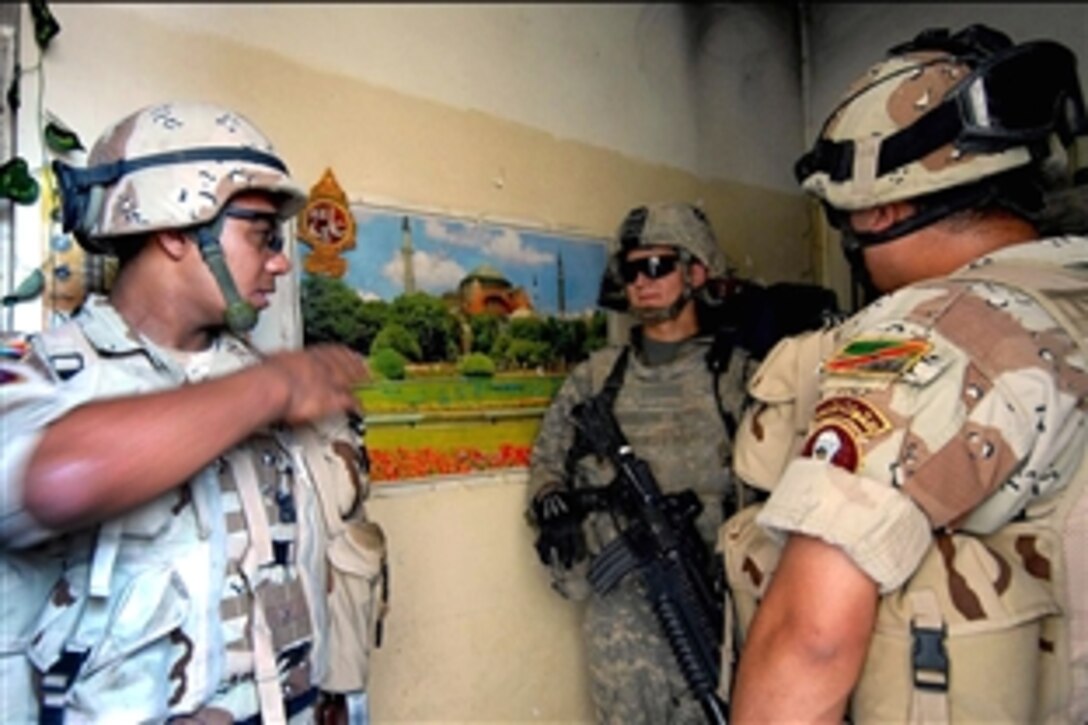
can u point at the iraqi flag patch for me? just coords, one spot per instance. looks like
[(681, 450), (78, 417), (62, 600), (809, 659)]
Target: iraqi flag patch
[(877, 357)]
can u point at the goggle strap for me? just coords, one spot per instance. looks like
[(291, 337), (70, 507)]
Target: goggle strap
[(930, 132), (933, 130), (106, 174)]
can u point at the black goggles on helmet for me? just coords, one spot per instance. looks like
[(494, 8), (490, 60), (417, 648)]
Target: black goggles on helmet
[(1014, 97), (652, 267)]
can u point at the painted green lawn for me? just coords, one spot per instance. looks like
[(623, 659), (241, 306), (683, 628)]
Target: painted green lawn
[(452, 436), (444, 425), (458, 393)]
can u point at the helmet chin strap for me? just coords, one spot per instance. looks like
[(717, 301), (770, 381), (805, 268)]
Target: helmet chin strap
[(240, 317), (860, 277)]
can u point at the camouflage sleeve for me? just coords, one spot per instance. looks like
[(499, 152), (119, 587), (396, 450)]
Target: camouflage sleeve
[(948, 406), (29, 401), (546, 462)]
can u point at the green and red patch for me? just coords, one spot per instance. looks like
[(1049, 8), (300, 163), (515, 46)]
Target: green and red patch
[(877, 357)]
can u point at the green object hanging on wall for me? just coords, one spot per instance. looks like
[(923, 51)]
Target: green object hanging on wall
[(14, 96), (60, 140), (46, 26), (27, 290), (16, 183)]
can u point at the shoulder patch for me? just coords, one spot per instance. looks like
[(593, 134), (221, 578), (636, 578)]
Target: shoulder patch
[(834, 444), (877, 357), (838, 425), (854, 413)]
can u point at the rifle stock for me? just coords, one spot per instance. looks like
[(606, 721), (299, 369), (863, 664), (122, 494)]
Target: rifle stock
[(658, 539)]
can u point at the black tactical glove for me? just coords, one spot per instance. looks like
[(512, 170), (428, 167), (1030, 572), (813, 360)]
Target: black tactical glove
[(558, 518)]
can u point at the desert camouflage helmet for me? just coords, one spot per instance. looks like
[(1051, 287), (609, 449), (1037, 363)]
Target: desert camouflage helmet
[(942, 112), (672, 224), (169, 166)]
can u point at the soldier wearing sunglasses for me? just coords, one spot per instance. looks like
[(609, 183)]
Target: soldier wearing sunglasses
[(672, 408)]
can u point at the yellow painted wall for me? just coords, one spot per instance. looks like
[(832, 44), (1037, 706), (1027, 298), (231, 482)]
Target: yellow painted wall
[(474, 633)]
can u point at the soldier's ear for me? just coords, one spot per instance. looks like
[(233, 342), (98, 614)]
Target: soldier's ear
[(879, 218), (698, 274), (174, 243)]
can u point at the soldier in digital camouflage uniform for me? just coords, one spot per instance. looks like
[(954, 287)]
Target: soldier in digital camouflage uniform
[(667, 409), (181, 516), (932, 520)]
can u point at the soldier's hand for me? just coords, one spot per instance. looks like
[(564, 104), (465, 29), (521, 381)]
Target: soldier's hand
[(558, 517), (320, 380)]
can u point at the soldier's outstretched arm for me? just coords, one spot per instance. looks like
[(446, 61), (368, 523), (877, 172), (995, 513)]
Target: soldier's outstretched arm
[(808, 640), (106, 457)]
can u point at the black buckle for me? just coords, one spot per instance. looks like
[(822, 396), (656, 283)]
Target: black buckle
[(929, 659)]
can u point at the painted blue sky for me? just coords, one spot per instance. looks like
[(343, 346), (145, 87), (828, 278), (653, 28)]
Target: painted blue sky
[(447, 249)]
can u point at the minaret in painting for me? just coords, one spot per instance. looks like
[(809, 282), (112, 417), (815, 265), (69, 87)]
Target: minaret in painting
[(406, 253), (561, 283)]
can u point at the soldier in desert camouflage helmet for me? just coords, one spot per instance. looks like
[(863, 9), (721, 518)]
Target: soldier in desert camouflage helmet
[(669, 405), (182, 523), (948, 420)]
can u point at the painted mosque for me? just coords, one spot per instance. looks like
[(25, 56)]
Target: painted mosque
[(484, 289)]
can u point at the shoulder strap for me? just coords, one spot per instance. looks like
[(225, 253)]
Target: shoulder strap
[(718, 359), (614, 381), (608, 392)]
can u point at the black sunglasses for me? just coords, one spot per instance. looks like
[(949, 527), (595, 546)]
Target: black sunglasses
[(654, 267), (272, 237)]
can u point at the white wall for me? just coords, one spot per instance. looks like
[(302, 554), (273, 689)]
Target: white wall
[(846, 37), (749, 93)]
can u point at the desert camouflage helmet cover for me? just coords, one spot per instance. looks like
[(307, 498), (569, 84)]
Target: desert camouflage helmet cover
[(929, 119), (207, 154), (672, 224), (890, 96)]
